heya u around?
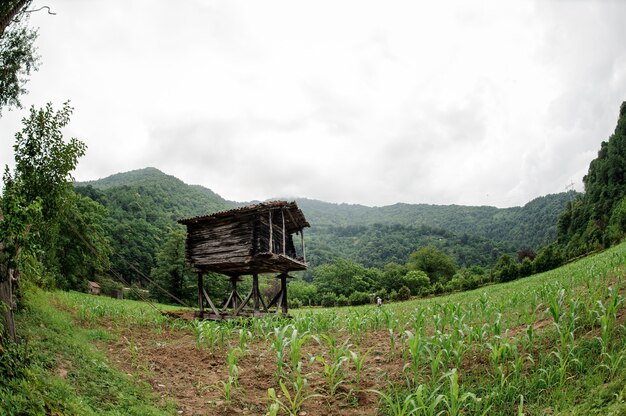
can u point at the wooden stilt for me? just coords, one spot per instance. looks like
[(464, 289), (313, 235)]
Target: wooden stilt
[(255, 292), (280, 299), (283, 289), (200, 297)]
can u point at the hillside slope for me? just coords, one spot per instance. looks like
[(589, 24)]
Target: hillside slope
[(144, 205)]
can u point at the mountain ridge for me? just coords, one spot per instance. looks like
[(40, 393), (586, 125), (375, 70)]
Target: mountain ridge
[(372, 236)]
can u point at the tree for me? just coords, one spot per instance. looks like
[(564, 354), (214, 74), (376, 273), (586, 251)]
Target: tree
[(43, 163), (393, 276), (18, 56), (582, 226), (506, 269), (435, 263), (172, 273), (82, 246), (17, 244), (343, 277), (416, 281)]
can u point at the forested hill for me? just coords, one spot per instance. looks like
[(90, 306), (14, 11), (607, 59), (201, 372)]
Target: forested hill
[(143, 207), (156, 192), (532, 225), (144, 204)]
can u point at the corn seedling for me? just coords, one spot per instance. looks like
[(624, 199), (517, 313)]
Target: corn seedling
[(292, 403), (455, 401), (358, 359)]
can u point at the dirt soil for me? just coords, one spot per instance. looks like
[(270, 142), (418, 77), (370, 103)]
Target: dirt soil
[(176, 369)]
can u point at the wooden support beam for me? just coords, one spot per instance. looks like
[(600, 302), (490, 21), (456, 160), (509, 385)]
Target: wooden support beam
[(271, 250), (244, 303), (283, 289), (208, 299), (302, 240), (255, 292), (275, 299), (200, 297), (282, 211)]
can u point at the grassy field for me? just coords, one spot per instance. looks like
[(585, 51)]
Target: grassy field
[(553, 343)]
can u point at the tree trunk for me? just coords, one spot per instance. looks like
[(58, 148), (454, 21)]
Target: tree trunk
[(8, 18), (7, 303)]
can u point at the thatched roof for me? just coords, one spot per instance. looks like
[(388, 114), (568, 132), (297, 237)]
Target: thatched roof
[(294, 218)]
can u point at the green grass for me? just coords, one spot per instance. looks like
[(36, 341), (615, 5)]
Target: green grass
[(57, 371), (552, 343)]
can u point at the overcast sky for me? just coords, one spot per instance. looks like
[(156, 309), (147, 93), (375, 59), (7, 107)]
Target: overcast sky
[(443, 102)]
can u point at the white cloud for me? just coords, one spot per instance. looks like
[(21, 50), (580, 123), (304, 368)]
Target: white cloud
[(365, 102)]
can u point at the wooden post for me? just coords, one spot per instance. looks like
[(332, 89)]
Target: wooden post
[(255, 292), (200, 294), (282, 211), (283, 288), (234, 294), (271, 234), (302, 239)]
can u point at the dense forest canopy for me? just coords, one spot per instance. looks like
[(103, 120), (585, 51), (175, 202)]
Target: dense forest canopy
[(597, 218), (144, 204)]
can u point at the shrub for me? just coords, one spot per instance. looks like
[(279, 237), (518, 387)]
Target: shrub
[(295, 303), (342, 301), (328, 299), (416, 281), (404, 293), (359, 298), (526, 267), (548, 258), (506, 269)]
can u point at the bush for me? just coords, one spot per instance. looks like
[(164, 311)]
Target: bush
[(342, 301), (437, 288), (359, 298), (548, 258), (416, 281), (404, 293), (506, 269), (526, 267), (295, 303), (328, 299), (109, 287)]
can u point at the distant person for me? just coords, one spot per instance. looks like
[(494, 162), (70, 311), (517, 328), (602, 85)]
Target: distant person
[(379, 301)]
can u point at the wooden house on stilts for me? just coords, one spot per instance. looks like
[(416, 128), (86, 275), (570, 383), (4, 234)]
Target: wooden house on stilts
[(246, 241)]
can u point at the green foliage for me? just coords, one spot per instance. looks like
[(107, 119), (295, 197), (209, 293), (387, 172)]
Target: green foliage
[(506, 269), (80, 244), (70, 244), (143, 207), (342, 301), (404, 293), (44, 161), (359, 298), (172, 273), (16, 218), (328, 299), (436, 264), (548, 258), (306, 292), (416, 281), (343, 277), (596, 220), (92, 386), (18, 58)]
